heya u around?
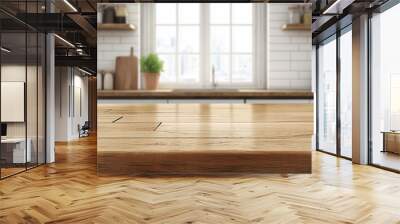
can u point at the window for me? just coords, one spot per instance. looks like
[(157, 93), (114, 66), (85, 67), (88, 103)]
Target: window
[(178, 41), (385, 89), (327, 97), (346, 94), (231, 42), (193, 46), (335, 107)]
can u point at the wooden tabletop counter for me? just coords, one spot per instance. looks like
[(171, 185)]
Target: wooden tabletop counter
[(204, 94)]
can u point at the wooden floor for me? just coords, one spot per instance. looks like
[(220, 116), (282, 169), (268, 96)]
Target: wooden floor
[(187, 139), (5, 172), (70, 191), (386, 159)]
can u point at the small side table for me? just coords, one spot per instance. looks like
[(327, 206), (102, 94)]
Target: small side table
[(391, 141), (14, 150)]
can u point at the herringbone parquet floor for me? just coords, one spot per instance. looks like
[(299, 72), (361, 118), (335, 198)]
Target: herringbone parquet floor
[(71, 192)]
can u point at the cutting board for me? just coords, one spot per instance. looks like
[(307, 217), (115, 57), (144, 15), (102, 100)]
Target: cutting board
[(126, 73)]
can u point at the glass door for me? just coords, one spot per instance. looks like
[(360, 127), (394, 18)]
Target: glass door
[(334, 105), (346, 93), (385, 90), (14, 154), (327, 96), (22, 77), (32, 98), (41, 107)]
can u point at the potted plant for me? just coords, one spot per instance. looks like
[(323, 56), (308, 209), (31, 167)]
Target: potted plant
[(151, 66)]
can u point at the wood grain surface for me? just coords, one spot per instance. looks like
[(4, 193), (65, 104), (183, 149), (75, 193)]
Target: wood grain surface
[(202, 94), (188, 139), (126, 73)]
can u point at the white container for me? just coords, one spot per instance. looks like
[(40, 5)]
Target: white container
[(294, 15), (99, 79), (99, 16), (108, 81)]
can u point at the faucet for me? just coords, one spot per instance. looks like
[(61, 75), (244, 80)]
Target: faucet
[(214, 84)]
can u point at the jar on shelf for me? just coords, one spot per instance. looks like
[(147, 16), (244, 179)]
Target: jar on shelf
[(121, 13), (108, 14), (294, 15), (108, 81)]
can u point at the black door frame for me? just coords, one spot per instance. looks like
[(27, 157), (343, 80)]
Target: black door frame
[(382, 8), (30, 29), (341, 29)]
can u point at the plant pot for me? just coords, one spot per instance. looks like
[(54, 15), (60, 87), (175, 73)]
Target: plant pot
[(151, 80)]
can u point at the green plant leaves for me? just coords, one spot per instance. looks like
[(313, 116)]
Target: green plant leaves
[(151, 63)]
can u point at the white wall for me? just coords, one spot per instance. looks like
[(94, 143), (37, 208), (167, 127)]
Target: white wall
[(79, 118), (61, 103), (288, 52), (68, 80), (111, 44), (17, 73), (34, 125)]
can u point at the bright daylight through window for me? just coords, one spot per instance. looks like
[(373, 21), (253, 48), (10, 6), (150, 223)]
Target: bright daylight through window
[(212, 50)]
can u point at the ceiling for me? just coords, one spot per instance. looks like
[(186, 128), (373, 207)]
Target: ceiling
[(331, 15), (72, 20)]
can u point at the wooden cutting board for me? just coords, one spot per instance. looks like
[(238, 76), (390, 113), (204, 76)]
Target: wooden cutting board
[(126, 73)]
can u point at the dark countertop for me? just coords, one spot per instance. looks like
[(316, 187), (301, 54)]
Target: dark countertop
[(204, 94)]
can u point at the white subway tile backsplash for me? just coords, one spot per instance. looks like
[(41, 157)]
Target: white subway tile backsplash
[(300, 84), (282, 17), (300, 56), (133, 40), (283, 47), (275, 24), (279, 56), (283, 75), (279, 40), (276, 66), (114, 47), (111, 44), (111, 40), (304, 75), (279, 84), (104, 65), (305, 47), (302, 66), (278, 8), (112, 55), (289, 52), (278, 32), (301, 40)]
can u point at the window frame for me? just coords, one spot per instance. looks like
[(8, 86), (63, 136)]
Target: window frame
[(372, 33), (337, 38), (205, 55), (177, 52)]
